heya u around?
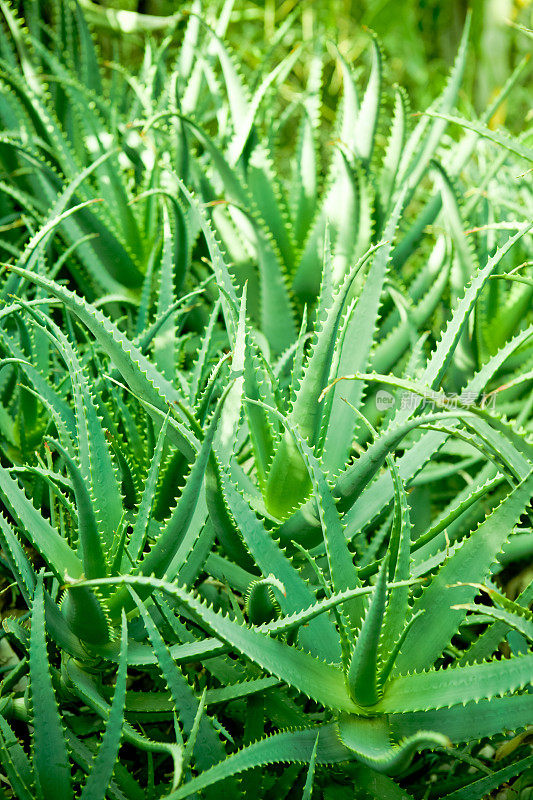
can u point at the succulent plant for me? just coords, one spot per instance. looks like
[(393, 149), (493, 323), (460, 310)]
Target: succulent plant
[(273, 534)]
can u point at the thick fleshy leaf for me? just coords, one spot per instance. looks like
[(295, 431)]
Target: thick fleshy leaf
[(51, 763)]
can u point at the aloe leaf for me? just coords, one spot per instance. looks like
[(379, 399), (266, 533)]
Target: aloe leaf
[(20, 40), (347, 221), (43, 235), (340, 561), (125, 21), (90, 543), (340, 220), (201, 360), (422, 143), (109, 181), (15, 762), (88, 62), (391, 159), (347, 115), (431, 540), (140, 528), (464, 264), (275, 304), (83, 685), (190, 42), (287, 746), (60, 411), (513, 450), (514, 621), (185, 703), (38, 531), (472, 721), (331, 601), (245, 127), (322, 681), (477, 790), (306, 412), (495, 136), (242, 689), (442, 688), (381, 491), (464, 253), (487, 643), (320, 636), (50, 758), (86, 615), (53, 480), (135, 368), (308, 786), (97, 469), (389, 648), (103, 766), (394, 628), (443, 353), (143, 655), (362, 674), (238, 100), (516, 278), (70, 224), (305, 181), (164, 342), (259, 423), (262, 435), (230, 417), (341, 566), (457, 160), (356, 478), (176, 538), (222, 523), (17, 559), (370, 741), (358, 475), (473, 560), (400, 539), (379, 786), (488, 428), (122, 787), (191, 741), (144, 702), (367, 117), (357, 344), (232, 181), (299, 356), (23, 573)]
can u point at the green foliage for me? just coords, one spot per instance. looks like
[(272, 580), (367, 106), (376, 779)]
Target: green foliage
[(266, 460)]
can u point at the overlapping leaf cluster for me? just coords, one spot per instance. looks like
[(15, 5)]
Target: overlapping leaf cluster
[(265, 425)]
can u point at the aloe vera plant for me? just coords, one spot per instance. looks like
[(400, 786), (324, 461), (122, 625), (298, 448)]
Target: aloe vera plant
[(273, 533), (66, 140)]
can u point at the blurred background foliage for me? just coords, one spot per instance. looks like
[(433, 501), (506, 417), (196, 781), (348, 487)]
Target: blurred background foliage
[(420, 37)]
